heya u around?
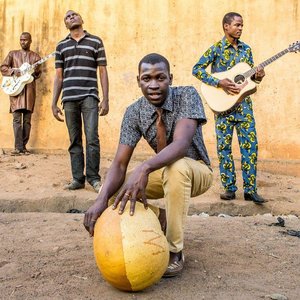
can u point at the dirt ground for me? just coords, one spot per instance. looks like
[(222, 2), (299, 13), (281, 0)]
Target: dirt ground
[(46, 253), (35, 183)]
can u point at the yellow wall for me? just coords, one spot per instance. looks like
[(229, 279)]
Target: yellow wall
[(181, 30)]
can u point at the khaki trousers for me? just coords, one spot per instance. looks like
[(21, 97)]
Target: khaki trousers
[(177, 183)]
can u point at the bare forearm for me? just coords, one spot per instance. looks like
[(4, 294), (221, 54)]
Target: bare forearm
[(173, 152), (113, 181), (56, 90), (104, 82), (183, 135)]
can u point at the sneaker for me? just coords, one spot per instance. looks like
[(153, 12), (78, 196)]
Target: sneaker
[(96, 186), (175, 267), (26, 152), (16, 152), (74, 185)]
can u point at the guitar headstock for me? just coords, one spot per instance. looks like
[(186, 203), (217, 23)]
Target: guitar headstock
[(295, 47)]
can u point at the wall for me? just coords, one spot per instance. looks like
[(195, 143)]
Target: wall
[(181, 30)]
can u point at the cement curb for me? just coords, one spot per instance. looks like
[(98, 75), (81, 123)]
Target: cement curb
[(62, 204)]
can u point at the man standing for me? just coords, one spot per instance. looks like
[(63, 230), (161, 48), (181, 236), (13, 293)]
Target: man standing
[(170, 119), (78, 57), (22, 105), (222, 56)]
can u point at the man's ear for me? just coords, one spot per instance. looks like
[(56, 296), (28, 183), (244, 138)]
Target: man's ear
[(171, 79), (81, 18), (138, 80)]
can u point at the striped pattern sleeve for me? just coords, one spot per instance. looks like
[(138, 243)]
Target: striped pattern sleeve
[(79, 61)]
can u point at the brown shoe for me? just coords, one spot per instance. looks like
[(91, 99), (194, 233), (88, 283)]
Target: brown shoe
[(175, 267)]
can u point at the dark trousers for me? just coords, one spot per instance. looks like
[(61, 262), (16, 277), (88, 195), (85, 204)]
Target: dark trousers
[(22, 127), (85, 110)]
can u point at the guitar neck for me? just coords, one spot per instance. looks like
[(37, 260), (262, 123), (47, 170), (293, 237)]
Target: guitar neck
[(252, 71), (39, 62)]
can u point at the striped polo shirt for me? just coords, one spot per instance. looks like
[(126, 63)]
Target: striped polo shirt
[(79, 61)]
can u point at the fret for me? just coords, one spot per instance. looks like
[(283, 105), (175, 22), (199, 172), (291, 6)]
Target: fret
[(223, 103), (31, 67), (252, 71)]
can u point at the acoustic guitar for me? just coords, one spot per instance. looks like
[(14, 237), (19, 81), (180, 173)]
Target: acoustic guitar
[(13, 85), (221, 102)]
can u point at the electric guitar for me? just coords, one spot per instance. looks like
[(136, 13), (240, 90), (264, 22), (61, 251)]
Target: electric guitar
[(221, 102), (13, 85)]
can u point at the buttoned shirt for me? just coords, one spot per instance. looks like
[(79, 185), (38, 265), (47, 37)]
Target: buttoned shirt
[(183, 102), (222, 56), (79, 61)]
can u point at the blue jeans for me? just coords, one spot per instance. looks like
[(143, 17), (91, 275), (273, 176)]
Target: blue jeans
[(75, 112)]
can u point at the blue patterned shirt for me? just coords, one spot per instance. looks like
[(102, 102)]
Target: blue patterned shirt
[(183, 102), (222, 56)]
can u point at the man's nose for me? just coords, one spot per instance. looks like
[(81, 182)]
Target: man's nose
[(153, 84)]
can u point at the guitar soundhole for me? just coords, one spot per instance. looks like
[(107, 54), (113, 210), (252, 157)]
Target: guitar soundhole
[(239, 79)]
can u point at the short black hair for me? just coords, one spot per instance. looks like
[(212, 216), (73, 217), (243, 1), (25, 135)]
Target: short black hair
[(154, 58), (26, 33), (227, 19)]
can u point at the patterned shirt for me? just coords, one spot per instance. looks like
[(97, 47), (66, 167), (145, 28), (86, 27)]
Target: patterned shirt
[(79, 61), (222, 56), (182, 103)]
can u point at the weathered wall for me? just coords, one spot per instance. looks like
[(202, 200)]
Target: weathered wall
[(181, 30)]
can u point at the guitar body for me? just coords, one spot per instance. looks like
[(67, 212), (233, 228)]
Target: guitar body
[(218, 100), (13, 85)]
